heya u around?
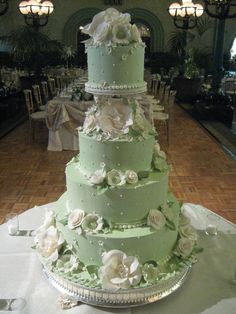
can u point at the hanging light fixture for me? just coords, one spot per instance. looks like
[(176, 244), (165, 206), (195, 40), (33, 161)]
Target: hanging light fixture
[(35, 12), (220, 8), (185, 15), (3, 6)]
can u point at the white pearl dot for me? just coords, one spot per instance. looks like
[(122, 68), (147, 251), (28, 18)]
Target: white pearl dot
[(117, 147), (121, 195), (121, 213), (114, 64), (118, 165), (122, 244), (108, 204)]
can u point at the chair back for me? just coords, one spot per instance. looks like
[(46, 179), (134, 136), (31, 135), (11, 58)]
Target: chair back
[(44, 85), (172, 97), (160, 94), (59, 83), (52, 87), (37, 95), (29, 101)]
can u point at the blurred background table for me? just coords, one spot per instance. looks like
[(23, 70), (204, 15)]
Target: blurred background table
[(63, 117)]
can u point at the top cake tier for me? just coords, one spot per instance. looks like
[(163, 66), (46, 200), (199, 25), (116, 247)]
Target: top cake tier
[(116, 70), (115, 55)]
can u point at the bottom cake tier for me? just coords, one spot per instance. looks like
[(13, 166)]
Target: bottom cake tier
[(144, 242), (83, 250)]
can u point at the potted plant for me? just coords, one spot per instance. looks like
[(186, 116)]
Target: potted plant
[(188, 84)]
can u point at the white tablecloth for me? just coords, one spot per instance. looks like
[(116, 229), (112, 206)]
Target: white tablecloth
[(63, 118), (208, 290)]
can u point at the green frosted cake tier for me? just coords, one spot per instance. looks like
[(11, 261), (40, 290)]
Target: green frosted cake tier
[(146, 243), (121, 205), (116, 70), (120, 155)]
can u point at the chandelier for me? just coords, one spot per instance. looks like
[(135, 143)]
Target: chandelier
[(3, 6), (220, 8), (35, 12), (185, 15)]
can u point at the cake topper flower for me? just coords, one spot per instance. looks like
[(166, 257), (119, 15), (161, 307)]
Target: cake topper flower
[(112, 27)]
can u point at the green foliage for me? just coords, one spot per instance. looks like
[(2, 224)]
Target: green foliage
[(191, 70), (31, 48)]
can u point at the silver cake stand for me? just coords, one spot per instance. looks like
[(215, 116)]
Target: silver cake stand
[(121, 298)]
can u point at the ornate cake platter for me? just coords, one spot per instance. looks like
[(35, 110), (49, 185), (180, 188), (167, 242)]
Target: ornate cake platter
[(121, 298)]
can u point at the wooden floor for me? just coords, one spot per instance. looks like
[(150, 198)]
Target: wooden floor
[(201, 173)]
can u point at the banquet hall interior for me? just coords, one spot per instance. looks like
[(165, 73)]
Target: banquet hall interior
[(42, 54), (48, 100)]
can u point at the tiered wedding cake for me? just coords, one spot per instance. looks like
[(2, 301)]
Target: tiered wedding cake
[(117, 226)]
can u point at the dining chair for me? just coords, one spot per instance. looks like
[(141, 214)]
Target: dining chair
[(162, 118), (52, 87), (160, 91), (45, 93), (35, 117), (38, 98)]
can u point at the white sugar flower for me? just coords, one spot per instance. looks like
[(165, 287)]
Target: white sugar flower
[(89, 124), (156, 219), (92, 223), (160, 164), (75, 218), (131, 177), (48, 218), (158, 152), (111, 26), (135, 34), (115, 117), (98, 176), (67, 263), (184, 247), (48, 243), (187, 231), (121, 34), (115, 178), (119, 271)]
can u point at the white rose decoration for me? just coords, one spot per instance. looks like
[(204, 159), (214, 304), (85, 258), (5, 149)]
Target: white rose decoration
[(115, 178), (156, 219), (75, 218), (48, 243), (92, 223), (98, 176), (131, 177), (67, 263), (119, 271), (184, 247), (187, 231)]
